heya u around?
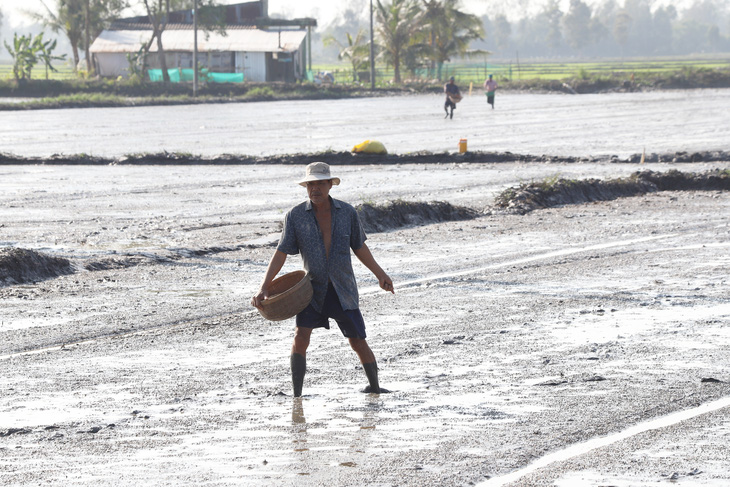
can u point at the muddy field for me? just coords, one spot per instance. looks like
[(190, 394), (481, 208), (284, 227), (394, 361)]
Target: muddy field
[(618, 124), (550, 348)]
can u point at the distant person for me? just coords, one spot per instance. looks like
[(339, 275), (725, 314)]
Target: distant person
[(324, 230), (490, 86), (452, 96)]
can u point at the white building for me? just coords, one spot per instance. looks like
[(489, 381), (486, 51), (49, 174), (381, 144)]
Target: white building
[(261, 48)]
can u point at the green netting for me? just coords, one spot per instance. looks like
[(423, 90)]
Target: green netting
[(186, 75), (225, 77), (156, 75)]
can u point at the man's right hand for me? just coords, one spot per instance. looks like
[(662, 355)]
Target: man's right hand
[(257, 299)]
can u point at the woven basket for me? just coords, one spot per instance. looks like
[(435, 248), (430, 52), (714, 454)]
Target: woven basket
[(288, 295)]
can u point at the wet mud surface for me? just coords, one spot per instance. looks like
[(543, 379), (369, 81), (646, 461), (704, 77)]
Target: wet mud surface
[(577, 126), (510, 337)]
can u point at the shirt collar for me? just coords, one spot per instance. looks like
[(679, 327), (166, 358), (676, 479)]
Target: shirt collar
[(333, 202)]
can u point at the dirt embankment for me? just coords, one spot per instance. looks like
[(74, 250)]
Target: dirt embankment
[(558, 192), (348, 158), (686, 79), (398, 214), (52, 94), (19, 266)]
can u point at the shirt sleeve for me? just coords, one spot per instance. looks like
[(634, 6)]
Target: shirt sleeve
[(288, 241), (357, 235)]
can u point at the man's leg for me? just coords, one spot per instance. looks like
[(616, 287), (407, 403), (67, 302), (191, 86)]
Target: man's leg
[(367, 359), (299, 358)]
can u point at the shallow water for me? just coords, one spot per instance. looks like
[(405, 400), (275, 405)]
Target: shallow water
[(554, 124)]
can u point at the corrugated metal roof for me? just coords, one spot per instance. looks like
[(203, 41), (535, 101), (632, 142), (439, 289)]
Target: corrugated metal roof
[(248, 40)]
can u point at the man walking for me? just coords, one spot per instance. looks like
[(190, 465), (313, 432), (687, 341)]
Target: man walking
[(324, 230), (452, 96), (490, 86)]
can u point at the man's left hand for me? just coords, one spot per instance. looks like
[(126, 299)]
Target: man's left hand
[(386, 284)]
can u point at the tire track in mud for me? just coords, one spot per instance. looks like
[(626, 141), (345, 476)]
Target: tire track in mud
[(363, 292), (588, 446)]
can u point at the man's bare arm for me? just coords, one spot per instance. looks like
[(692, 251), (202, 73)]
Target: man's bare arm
[(275, 265), (366, 257)]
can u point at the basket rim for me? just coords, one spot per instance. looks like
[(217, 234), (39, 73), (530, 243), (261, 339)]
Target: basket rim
[(278, 297)]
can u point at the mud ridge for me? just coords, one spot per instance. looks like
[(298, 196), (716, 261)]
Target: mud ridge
[(399, 214), (349, 158), (19, 266), (132, 260), (551, 193)]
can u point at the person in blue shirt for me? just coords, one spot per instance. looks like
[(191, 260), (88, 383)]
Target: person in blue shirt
[(324, 230)]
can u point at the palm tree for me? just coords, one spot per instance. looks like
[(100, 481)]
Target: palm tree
[(356, 50), (399, 29), (450, 31), (69, 19)]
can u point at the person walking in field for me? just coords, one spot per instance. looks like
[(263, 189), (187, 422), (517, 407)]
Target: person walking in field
[(490, 86), (453, 95), (324, 230)]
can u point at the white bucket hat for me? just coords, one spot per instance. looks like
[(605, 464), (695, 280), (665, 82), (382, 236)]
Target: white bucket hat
[(318, 171)]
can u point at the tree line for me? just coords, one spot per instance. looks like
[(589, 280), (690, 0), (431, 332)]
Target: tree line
[(612, 29), (420, 35), (415, 35)]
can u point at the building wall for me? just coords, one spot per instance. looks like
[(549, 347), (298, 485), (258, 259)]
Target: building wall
[(252, 65), (112, 64), (255, 66)]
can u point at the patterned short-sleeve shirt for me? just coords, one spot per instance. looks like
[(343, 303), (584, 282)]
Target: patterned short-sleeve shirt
[(301, 234)]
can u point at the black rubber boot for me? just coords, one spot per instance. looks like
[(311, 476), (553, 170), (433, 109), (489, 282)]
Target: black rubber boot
[(298, 369), (371, 370)]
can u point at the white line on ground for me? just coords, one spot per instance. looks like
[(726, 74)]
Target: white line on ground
[(582, 448), (546, 255)]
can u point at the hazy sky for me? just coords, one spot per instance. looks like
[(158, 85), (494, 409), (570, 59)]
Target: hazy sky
[(325, 11)]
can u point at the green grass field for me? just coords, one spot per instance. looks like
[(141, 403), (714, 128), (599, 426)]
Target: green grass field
[(474, 72), (477, 72), (39, 72)]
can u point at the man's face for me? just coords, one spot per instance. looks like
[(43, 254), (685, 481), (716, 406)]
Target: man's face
[(319, 191)]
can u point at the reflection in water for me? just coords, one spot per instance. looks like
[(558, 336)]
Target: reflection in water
[(297, 411), (350, 444), (300, 425), (369, 419)]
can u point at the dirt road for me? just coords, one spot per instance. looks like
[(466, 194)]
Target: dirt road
[(509, 339)]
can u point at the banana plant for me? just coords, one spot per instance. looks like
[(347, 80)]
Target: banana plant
[(44, 52), (24, 56)]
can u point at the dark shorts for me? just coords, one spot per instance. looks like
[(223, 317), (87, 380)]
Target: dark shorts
[(490, 99), (349, 320)]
